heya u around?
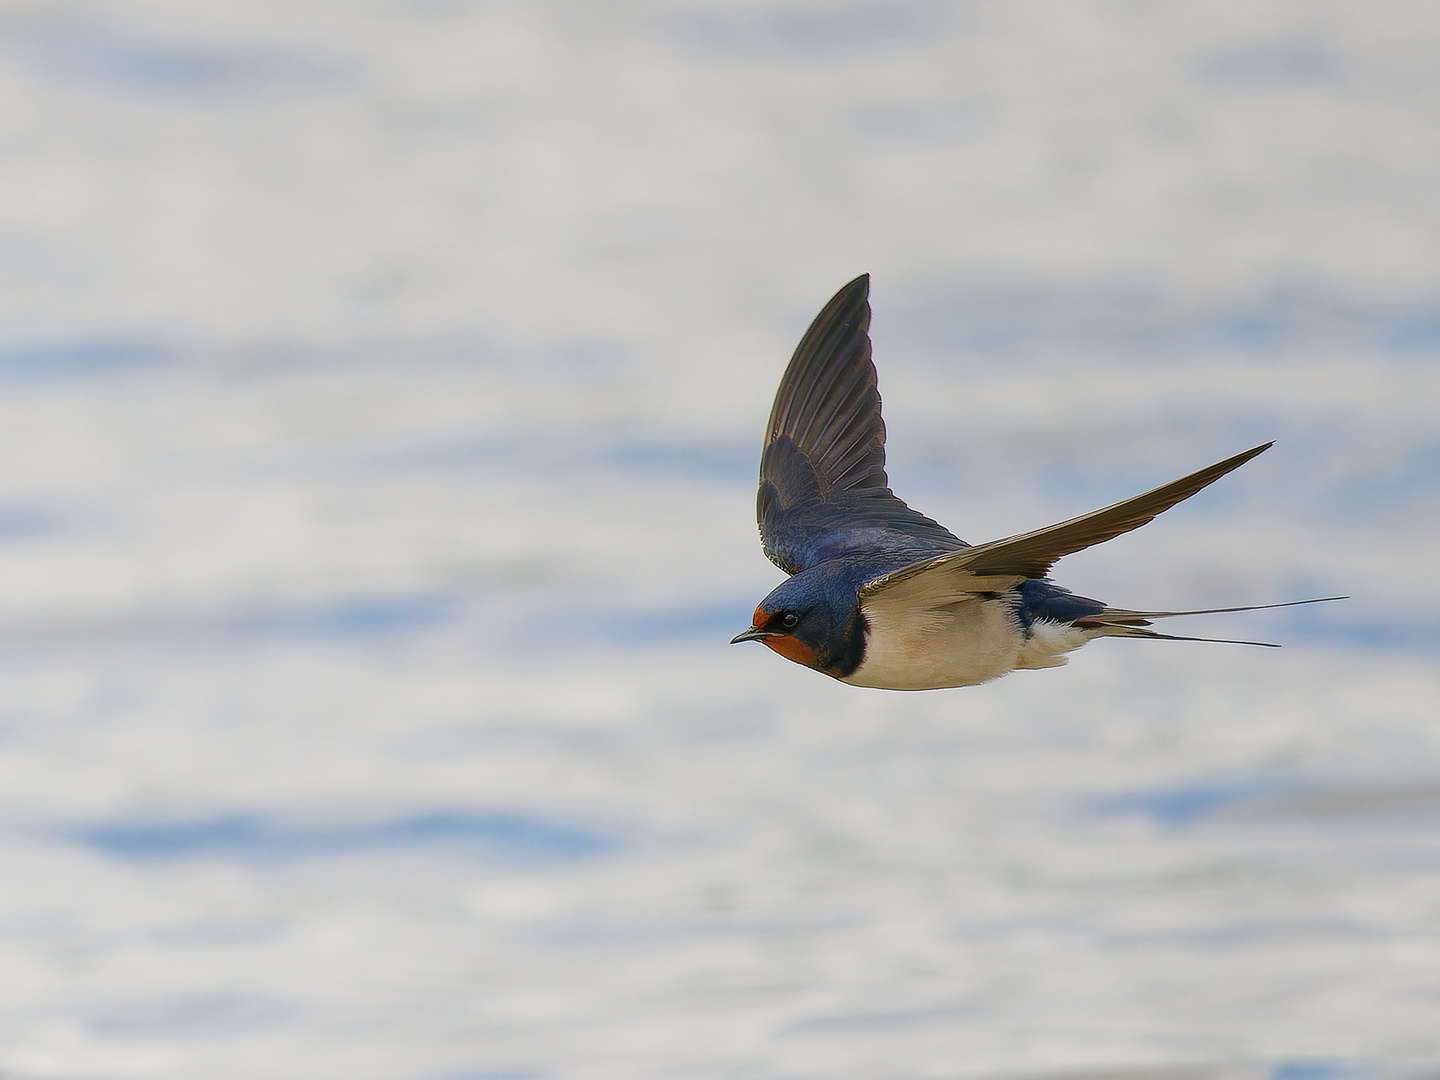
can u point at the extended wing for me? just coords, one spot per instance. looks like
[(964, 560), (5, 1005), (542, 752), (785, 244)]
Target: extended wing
[(1002, 563), (823, 489)]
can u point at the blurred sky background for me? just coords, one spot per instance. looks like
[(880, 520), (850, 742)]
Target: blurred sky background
[(381, 389)]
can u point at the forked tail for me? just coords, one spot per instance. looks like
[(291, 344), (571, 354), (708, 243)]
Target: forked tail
[(1121, 622)]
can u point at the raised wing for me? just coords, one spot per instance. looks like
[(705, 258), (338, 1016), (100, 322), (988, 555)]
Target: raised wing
[(823, 489), (1030, 555)]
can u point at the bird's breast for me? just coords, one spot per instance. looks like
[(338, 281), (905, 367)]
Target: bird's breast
[(959, 642)]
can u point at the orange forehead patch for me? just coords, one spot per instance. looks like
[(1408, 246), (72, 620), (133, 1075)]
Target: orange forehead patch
[(792, 649), (760, 618)]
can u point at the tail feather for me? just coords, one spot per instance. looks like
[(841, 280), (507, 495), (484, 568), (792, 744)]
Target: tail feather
[(1122, 622), (1130, 630)]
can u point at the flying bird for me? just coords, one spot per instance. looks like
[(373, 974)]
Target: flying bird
[(881, 595)]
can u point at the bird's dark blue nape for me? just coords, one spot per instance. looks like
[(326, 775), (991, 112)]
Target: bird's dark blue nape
[(881, 595)]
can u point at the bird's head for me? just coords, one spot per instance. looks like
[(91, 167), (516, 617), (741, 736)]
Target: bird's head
[(813, 619)]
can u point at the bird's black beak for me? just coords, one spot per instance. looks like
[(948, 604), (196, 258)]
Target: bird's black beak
[(753, 634)]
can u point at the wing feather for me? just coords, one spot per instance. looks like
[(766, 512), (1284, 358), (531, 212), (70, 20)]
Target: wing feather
[(1030, 555), (823, 488)]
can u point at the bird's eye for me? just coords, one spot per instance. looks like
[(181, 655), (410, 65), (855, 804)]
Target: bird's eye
[(789, 621)]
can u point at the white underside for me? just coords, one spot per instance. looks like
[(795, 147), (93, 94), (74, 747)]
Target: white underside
[(965, 641)]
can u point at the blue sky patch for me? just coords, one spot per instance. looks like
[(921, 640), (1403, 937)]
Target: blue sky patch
[(67, 361), (131, 63), (1316, 1070), (1281, 64), (1189, 803), (28, 521), (502, 835), (1412, 635)]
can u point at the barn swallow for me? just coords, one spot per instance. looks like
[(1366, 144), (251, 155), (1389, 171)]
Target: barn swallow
[(881, 595)]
